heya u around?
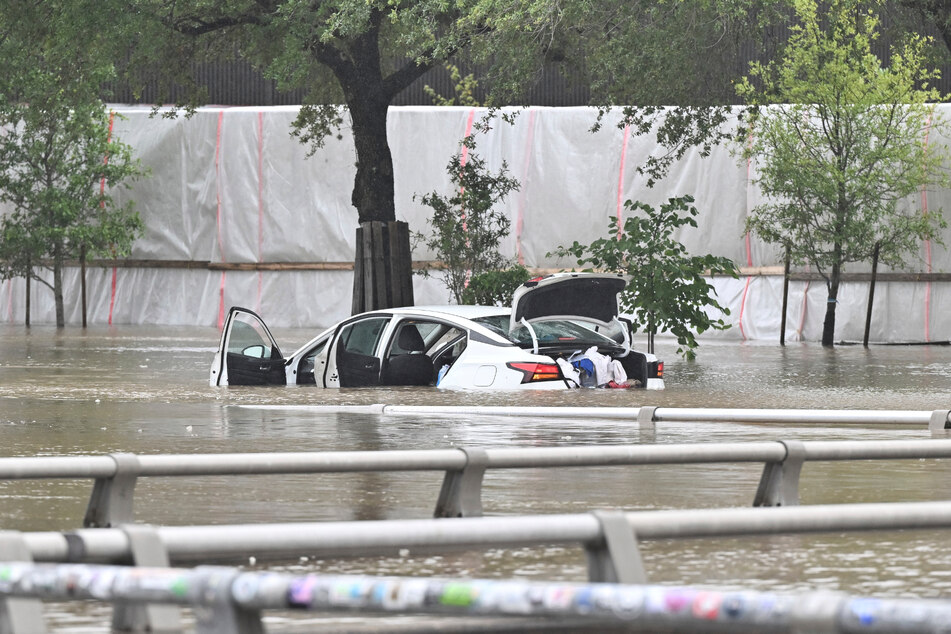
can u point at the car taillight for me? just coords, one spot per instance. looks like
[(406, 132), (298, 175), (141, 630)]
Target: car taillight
[(660, 369), (532, 372)]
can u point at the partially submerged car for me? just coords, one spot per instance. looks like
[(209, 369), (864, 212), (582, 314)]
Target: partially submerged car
[(561, 329)]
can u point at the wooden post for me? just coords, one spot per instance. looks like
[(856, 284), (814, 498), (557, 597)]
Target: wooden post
[(782, 323), (871, 294), (82, 279), (382, 267)]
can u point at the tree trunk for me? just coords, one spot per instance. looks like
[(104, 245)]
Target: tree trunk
[(828, 326), (82, 279), (58, 287), (29, 278), (782, 322), (373, 192), (871, 294)]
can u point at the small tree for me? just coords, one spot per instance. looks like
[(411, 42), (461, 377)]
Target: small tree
[(667, 289), (495, 288), (56, 160), (840, 143), (466, 226)]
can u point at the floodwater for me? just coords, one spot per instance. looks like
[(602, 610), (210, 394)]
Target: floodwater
[(144, 390)]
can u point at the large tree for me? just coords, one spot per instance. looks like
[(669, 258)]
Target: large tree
[(58, 162), (840, 144), (363, 53)]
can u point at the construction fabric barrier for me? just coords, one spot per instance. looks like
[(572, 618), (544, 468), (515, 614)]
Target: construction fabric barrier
[(231, 186)]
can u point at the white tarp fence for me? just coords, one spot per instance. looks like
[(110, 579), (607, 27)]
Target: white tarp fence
[(230, 185)]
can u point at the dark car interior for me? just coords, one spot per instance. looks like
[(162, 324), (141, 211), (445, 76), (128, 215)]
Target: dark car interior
[(407, 363)]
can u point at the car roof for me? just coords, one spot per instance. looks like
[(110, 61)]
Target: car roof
[(466, 311)]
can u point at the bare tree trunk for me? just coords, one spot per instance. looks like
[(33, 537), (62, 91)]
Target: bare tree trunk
[(29, 279), (58, 287), (373, 194), (782, 323), (828, 326), (871, 294), (82, 276)]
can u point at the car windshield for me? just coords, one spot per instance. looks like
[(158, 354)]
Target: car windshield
[(555, 332)]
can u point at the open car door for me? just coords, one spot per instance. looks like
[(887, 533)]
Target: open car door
[(247, 353), (356, 352)]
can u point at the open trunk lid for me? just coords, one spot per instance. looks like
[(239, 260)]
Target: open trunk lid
[(591, 297)]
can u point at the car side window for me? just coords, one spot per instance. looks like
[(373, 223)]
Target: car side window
[(362, 337), (247, 339)]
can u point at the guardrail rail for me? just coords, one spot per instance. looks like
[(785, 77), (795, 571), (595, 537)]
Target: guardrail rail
[(115, 475), (232, 602)]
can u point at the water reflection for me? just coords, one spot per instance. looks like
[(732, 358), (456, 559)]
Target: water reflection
[(144, 390)]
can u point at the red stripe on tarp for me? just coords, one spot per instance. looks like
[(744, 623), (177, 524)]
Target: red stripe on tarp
[(465, 149), (522, 194), (464, 157), (112, 298), (749, 174), (620, 182), (221, 249), (462, 161), (746, 291), (221, 302), (105, 159), (260, 204)]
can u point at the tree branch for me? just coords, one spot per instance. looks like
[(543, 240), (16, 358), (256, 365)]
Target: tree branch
[(195, 26)]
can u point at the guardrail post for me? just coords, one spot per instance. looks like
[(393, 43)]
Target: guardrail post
[(461, 493), (224, 615), (111, 501), (939, 420), (18, 615), (645, 417), (615, 558), (147, 550), (779, 484)]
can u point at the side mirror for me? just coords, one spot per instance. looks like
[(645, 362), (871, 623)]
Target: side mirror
[(256, 351)]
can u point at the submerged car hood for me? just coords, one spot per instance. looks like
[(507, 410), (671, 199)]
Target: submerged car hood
[(586, 296)]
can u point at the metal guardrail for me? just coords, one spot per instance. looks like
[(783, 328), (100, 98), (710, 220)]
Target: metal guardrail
[(609, 537), (232, 602), (937, 420), (115, 475)]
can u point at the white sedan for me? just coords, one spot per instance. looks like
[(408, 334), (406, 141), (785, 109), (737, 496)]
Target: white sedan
[(562, 332)]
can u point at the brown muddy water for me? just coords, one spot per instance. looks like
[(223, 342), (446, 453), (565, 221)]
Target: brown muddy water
[(144, 390)]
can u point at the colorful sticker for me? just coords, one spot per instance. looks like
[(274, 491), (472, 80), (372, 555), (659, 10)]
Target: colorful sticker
[(300, 593), (865, 611), (678, 600), (559, 598), (584, 599), (733, 606), (707, 605)]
